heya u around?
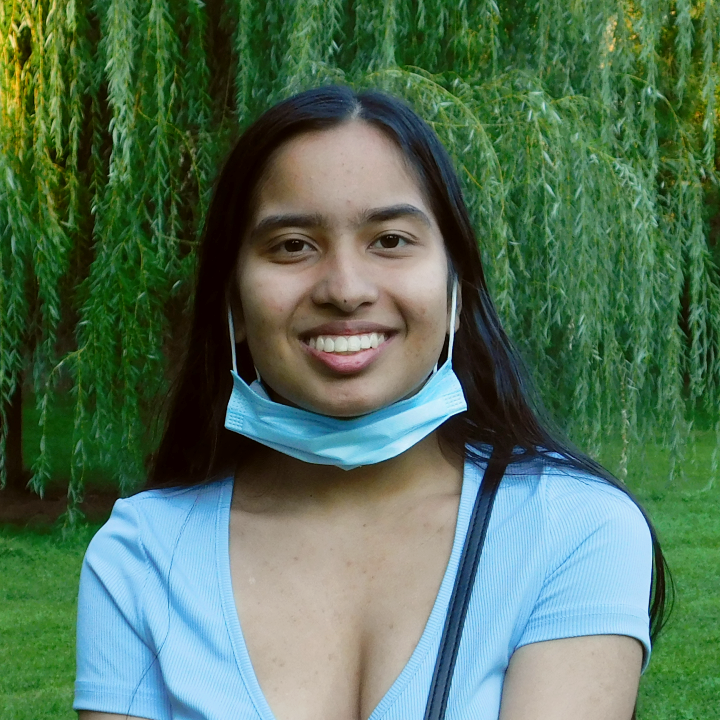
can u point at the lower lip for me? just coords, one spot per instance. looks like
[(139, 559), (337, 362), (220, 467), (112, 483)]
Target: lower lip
[(347, 364)]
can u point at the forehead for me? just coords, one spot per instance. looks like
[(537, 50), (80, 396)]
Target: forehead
[(349, 167)]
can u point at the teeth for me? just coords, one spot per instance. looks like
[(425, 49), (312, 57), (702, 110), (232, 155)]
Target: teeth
[(346, 343)]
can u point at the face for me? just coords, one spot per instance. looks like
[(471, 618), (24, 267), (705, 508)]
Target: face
[(342, 275)]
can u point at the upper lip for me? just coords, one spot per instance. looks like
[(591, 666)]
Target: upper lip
[(346, 327)]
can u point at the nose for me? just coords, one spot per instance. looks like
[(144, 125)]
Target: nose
[(345, 281)]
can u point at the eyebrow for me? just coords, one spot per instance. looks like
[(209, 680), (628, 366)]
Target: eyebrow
[(274, 222), (313, 220), (393, 212)]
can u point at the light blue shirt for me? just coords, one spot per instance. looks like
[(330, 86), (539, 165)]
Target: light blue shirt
[(159, 637)]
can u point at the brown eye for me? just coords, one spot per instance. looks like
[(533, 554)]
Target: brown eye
[(390, 242), (294, 246)]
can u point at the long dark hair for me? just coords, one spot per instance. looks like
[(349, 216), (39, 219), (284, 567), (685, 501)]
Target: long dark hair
[(502, 408)]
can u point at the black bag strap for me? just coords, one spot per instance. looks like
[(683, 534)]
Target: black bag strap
[(464, 581)]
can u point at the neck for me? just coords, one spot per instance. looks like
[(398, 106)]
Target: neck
[(276, 482)]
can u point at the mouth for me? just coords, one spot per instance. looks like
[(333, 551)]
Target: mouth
[(346, 344), (347, 354)]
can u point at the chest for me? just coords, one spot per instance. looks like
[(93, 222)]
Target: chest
[(332, 608)]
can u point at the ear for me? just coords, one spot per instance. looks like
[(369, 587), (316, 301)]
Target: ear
[(458, 307), (238, 321)]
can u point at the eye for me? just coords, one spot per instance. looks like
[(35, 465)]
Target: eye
[(293, 246), (390, 241), (291, 249)]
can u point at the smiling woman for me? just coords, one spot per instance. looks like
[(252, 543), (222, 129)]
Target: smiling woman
[(303, 539), (341, 246)]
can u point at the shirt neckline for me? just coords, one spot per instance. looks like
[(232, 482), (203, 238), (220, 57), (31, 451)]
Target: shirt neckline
[(432, 631)]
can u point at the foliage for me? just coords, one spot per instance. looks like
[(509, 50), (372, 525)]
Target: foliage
[(584, 133)]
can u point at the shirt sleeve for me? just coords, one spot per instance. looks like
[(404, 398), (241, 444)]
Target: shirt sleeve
[(117, 664), (599, 568)]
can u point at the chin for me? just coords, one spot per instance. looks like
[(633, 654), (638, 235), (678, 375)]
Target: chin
[(345, 410), (334, 403), (346, 407), (352, 412)]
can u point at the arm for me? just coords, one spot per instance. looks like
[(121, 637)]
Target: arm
[(580, 653), (118, 671), (581, 678)]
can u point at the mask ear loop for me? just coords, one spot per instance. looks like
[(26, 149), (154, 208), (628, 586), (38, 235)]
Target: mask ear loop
[(231, 328), (453, 312)]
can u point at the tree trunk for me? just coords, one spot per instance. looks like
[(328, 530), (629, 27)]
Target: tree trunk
[(16, 476)]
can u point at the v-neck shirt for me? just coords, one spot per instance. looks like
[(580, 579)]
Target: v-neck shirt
[(159, 636)]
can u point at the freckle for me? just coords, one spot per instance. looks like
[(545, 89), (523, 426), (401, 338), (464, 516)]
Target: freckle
[(296, 559)]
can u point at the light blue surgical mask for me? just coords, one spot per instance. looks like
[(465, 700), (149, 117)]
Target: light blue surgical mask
[(346, 442)]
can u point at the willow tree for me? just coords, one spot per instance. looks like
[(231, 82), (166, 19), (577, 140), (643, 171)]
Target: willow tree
[(584, 133)]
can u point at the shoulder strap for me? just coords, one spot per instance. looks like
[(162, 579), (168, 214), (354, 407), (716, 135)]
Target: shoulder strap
[(464, 581)]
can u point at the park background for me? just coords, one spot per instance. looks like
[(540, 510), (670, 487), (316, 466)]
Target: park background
[(584, 132)]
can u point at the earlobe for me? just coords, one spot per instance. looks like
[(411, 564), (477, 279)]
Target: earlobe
[(240, 333), (458, 307), (237, 322), (236, 332)]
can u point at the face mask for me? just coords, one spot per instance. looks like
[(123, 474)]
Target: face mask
[(346, 443)]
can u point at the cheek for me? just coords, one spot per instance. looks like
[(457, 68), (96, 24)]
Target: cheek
[(426, 304), (427, 327), (267, 305), (262, 313)]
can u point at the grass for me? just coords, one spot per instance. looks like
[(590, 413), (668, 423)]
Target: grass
[(683, 680), (39, 571)]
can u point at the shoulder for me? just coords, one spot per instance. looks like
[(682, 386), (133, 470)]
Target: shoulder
[(148, 525), (563, 508), (574, 499), (560, 489), (586, 548)]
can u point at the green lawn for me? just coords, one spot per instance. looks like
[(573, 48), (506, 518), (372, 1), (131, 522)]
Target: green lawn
[(39, 574), (683, 680)]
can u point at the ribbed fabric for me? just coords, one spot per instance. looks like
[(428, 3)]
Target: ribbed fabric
[(159, 636)]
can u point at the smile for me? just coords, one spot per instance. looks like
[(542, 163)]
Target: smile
[(346, 344)]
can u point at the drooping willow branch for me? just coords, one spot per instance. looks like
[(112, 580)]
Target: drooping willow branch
[(584, 134)]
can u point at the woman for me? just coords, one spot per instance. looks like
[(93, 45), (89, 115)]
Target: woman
[(319, 497)]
